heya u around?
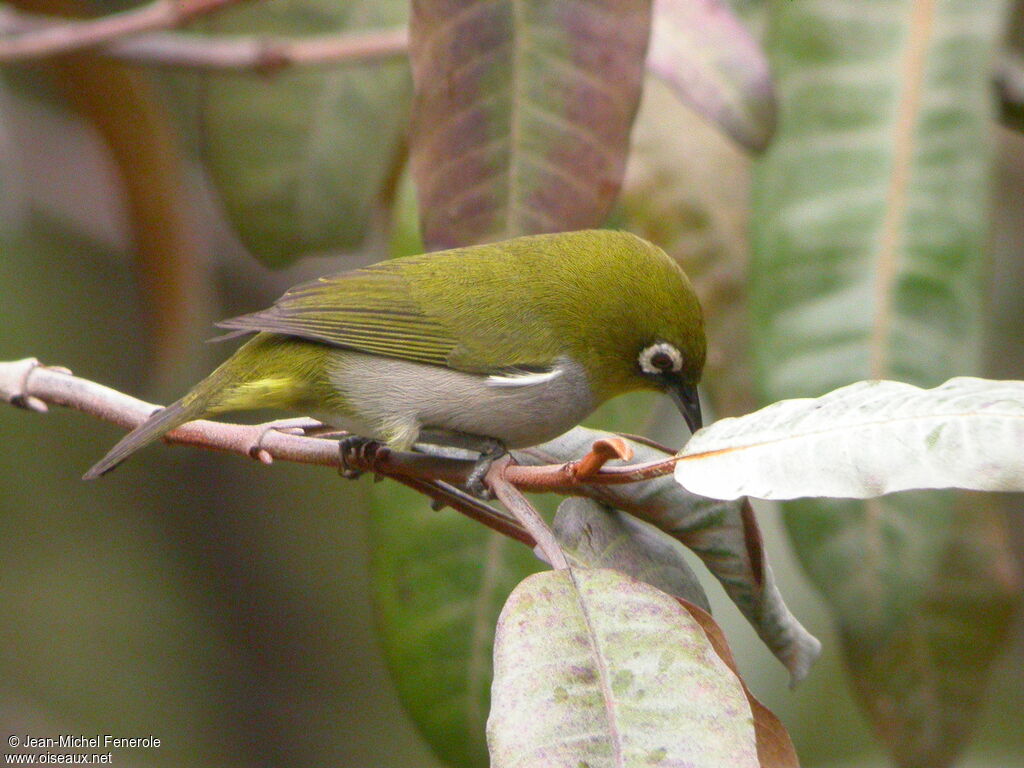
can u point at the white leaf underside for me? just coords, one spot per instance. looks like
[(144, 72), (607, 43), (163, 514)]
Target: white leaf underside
[(865, 440), (593, 668)]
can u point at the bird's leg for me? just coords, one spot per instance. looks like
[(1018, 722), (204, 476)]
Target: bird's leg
[(355, 446), (489, 448), (492, 451)]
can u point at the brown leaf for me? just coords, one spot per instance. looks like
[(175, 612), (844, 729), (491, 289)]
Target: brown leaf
[(774, 747)]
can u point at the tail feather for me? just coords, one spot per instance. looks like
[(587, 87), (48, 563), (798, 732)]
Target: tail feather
[(266, 372), (153, 429)]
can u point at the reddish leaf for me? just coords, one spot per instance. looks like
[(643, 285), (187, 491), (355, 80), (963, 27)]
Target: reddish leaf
[(522, 113)]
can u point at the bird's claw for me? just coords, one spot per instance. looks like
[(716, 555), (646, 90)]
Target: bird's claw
[(363, 448), (475, 484)]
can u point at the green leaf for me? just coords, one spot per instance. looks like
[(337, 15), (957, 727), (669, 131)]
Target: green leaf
[(522, 113), (593, 668), (439, 582), (865, 440), (715, 66), (595, 536), (924, 686), (870, 213), (303, 160), (871, 206), (724, 534)]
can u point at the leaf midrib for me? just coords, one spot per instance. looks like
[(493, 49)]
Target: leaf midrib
[(833, 430), (922, 24), (602, 674)]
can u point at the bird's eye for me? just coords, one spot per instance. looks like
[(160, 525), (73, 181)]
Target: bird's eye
[(660, 358)]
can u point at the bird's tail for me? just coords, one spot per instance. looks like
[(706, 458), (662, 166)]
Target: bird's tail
[(191, 406), (268, 371)]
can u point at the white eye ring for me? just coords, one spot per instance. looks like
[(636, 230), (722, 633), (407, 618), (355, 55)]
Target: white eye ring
[(660, 349)]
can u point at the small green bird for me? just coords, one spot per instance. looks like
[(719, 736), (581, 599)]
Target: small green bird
[(487, 348)]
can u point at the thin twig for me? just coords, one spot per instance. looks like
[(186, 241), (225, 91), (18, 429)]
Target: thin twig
[(41, 39), (26, 36), (562, 478), (470, 506), (600, 454), (239, 53), (259, 54)]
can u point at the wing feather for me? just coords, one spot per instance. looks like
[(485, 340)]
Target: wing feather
[(369, 310)]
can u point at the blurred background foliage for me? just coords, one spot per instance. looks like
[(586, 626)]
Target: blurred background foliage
[(233, 610)]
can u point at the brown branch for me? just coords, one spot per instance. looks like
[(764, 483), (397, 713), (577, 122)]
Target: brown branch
[(41, 37), (235, 53), (470, 506), (27, 384), (260, 54)]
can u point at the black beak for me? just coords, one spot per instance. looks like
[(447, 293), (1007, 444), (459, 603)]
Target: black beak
[(688, 403)]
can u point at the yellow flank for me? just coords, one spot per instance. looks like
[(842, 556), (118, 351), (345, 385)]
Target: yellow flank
[(277, 392), (269, 371)]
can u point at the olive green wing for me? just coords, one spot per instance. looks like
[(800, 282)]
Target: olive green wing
[(369, 310)]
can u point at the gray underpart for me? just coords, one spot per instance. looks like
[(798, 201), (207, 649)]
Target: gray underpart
[(401, 402)]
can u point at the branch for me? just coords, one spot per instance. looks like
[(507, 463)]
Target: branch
[(266, 54), (40, 36), (181, 49), (27, 384)]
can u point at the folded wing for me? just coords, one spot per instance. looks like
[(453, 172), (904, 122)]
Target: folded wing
[(370, 310)]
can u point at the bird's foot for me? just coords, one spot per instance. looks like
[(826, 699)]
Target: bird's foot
[(492, 450), (362, 448)]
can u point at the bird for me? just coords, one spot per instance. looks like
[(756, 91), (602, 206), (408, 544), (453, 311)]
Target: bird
[(486, 348)]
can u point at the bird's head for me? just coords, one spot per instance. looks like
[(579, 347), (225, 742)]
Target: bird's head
[(640, 323)]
